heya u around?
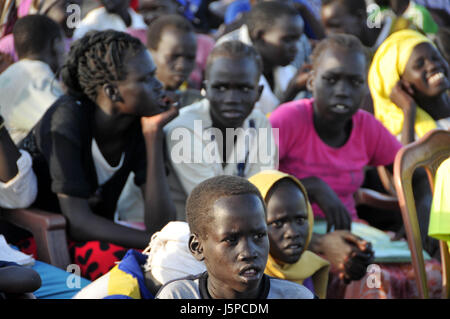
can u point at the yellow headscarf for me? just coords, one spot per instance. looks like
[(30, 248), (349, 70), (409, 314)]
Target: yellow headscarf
[(309, 264), (387, 66)]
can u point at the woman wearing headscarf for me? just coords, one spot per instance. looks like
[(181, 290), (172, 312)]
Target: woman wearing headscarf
[(408, 81), (290, 223)]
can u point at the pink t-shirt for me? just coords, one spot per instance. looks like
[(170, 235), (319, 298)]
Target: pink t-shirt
[(303, 154)]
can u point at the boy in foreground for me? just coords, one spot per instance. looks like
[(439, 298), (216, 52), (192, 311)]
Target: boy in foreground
[(226, 216)]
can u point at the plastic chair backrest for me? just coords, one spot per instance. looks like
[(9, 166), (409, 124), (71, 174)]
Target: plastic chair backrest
[(428, 152)]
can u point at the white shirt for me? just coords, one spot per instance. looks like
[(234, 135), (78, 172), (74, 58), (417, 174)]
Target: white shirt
[(130, 205), (99, 19), (194, 152), (27, 89)]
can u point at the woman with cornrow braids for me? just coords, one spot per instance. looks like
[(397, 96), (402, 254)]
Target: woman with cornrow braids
[(108, 125)]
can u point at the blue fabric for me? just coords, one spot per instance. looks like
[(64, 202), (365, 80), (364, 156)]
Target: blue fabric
[(131, 264), (54, 282), (235, 8), (308, 283), (190, 8)]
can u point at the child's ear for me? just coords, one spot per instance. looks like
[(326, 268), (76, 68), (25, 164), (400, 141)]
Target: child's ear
[(257, 36), (310, 81), (112, 92), (195, 246)]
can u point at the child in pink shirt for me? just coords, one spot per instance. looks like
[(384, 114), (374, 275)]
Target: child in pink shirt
[(303, 153), (327, 141)]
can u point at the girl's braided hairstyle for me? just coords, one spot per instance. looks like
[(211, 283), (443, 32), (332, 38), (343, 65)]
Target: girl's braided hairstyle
[(97, 59)]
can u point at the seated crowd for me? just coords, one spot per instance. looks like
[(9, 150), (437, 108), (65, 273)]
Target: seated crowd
[(199, 145)]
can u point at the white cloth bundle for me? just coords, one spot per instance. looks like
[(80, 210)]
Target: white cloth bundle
[(169, 256)]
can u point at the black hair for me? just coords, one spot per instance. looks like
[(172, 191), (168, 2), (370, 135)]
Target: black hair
[(340, 40), (97, 59), (199, 205), (157, 27), (263, 14), (234, 49), (354, 7), (283, 181), (34, 33)]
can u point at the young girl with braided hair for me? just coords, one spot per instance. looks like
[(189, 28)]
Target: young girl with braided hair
[(108, 125)]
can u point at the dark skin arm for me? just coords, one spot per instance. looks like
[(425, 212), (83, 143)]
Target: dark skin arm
[(84, 225), (310, 18), (159, 208), (335, 212), (423, 198), (9, 154), (349, 255), (297, 83), (401, 95), (18, 280)]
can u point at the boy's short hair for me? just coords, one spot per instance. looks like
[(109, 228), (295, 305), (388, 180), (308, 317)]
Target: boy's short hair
[(340, 40), (33, 33), (234, 49), (157, 27), (199, 205), (263, 14)]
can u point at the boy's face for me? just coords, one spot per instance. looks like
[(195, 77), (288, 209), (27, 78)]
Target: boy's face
[(278, 45), (287, 221), (235, 247), (336, 18), (338, 84), (232, 90), (175, 57)]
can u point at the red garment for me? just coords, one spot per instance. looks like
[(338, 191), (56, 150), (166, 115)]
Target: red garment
[(94, 258), (134, 4)]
